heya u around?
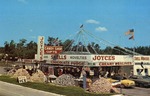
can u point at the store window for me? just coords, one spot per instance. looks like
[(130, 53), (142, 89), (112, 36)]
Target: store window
[(146, 71), (138, 71)]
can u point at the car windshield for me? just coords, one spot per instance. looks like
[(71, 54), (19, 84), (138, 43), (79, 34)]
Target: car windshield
[(146, 77), (118, 78)]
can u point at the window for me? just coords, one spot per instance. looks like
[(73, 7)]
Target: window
[(138, 71), (146, 71)]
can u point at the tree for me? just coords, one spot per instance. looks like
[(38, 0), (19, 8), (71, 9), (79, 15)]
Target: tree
[(21, 48), (108, 50), (31, 50), (50, 41), (12, 47), (67, 45), (28, 50), (6, 47), (97, 48)]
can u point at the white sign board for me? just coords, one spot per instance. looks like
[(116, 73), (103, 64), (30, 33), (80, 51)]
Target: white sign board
[(40, 49), (22, 79), (144, 59)]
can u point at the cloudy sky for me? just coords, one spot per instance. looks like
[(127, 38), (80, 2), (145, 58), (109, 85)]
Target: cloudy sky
[(105, 19)]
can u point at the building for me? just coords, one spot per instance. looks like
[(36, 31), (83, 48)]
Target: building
[(99, 64)]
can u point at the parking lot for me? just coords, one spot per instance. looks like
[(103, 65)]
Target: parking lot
[(136, 91)]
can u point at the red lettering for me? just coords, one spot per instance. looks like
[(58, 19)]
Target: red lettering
[(112, 57), (137, 58), (144, 58), (41, 49), (94, 58), (63, 57), (104, 57)]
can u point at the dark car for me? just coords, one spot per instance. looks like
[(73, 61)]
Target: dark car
[(141, 81)]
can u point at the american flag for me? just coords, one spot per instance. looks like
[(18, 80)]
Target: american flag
[(130, 32)]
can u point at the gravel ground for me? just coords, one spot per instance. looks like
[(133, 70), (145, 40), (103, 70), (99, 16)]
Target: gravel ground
[(2, 71)]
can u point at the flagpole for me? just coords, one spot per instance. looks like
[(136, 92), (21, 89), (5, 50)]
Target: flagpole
[(133, 52), (131, 34)]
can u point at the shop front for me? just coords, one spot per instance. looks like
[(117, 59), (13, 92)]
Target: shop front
[(72, 63), (114, 64), (142, 65), (94, 65)]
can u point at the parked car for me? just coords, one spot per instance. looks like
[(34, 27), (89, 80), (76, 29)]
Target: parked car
[(141, 81), (124, 81), (114, 83)]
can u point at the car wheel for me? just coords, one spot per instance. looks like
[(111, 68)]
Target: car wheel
[(122, 86), (136, 84), (140, 85), (145, 85)]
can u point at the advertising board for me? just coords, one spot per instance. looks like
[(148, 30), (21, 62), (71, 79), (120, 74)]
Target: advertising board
[(52, 49), (40, 49)]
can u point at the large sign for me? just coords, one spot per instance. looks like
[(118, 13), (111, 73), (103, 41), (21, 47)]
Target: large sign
[(94, 60), (74, 63), (111, 58), (66, 57), (115, 63), (104, 57), (142, 58), (52, 49), (40, 51)]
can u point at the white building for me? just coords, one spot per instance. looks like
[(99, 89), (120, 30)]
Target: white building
[(118, 63), (142, 65)]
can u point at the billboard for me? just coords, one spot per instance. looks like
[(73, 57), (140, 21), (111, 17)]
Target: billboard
[(52, 49), (145, 59), (40, 49)]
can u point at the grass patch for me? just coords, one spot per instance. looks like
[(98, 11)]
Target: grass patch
[(68, 91)]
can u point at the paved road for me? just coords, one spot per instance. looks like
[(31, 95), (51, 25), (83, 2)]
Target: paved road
[(7, 89), (137, 91)]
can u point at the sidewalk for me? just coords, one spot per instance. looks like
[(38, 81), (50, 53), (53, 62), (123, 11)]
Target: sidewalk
[(7, 89)]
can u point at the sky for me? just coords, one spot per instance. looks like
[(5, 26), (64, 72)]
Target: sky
[(105, 19)]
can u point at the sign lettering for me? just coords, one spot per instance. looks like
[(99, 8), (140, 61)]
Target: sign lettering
[(114, 63), (141, 58), (41, 48), (22, 79), (104, 57), (52, 49), (78, 57), (76, 63)]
